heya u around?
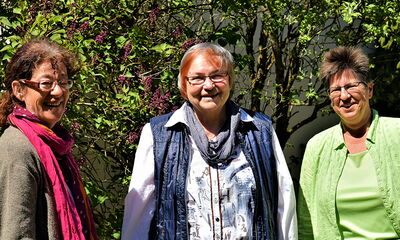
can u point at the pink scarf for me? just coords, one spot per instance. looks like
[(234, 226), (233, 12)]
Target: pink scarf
[(72, 204)]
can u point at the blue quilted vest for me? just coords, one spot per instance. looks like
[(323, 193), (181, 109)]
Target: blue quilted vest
[(172, 157)]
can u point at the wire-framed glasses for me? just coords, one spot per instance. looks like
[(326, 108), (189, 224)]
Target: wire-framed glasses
[(352, 87), (201, 79)]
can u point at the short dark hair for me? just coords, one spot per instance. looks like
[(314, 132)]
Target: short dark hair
[(344, 58), (24, 62)]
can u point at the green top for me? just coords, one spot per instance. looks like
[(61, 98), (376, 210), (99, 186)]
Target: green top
[(322, 166), (359, 203)]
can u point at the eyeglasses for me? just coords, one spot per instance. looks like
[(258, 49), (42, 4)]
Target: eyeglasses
[(200, 80), (350, 88), (49, 85)]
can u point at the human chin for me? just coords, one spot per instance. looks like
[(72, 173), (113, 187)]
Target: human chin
[(348, 113), (51, 114)]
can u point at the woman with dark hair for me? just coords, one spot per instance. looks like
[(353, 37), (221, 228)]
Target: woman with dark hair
[(210, 170), (349, 184), (41, 191)]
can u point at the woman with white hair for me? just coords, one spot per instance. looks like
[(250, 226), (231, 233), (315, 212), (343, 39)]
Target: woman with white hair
[(210, 170)]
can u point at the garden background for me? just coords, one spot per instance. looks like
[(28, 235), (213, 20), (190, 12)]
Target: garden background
[(130, 52)]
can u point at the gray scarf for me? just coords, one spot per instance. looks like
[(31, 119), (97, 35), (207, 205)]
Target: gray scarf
[(221, 150)]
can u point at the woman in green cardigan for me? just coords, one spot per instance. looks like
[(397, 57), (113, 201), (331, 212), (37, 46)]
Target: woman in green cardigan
[(349, 184)]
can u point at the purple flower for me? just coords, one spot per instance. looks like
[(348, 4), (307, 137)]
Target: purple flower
[(122, 80), (75, 126), (132, 136), (84, 26), (32, 10), (71, 30), (177, 31), (159, 102), (174, 108), (147, 82), (80, 161), (100, 38), (127, 50), (153, 14), (190, 42), (73, 4)]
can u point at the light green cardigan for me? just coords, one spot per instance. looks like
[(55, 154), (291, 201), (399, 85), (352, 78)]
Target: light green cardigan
[(322, 165)]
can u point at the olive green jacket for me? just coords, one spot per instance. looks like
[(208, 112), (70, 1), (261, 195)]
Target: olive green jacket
[(322, 165), (27, 209)]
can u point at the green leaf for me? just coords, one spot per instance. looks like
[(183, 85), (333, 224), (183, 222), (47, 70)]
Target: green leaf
[(56, 38), (17, 11), (6, 48), (56, 18), (5, 22), (121, 40), (102, 199), (35, 32), (163, 48), (6, 57), (116, 235), (61, 31)]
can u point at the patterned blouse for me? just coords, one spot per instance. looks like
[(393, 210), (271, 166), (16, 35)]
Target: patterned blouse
[(221, 200)]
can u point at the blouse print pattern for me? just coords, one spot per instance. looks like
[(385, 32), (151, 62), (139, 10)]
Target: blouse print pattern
[(221, 200)]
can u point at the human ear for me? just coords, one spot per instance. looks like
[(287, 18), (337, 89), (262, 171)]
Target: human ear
[(18, 90), (370, 89)]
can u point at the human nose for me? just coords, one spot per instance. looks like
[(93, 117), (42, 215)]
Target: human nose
[(344, 93), (208, 82), (57, 90)]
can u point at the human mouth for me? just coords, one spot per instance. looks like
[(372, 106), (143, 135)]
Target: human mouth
[(347, 106), (209, 96), (53, 105)]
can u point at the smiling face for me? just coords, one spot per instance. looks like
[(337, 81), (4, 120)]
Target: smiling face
[(208, 99), (353, 109), (47, 106)]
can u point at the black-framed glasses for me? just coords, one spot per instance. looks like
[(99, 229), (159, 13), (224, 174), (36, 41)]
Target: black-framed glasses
[(48, 85), (350, 88), (201, 79)]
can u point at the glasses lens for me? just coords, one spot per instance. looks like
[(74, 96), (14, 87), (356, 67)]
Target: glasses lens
[(218, 77), (67, 84), (196, 80), (47, 85)]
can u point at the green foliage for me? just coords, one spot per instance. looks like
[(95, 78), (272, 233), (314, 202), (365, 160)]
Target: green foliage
[(130, 53)]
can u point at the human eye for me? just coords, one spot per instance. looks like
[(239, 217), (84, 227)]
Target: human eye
[(65, 83), (218, 77), (351, 86), (46, 84), (334, 90), (196, 79)]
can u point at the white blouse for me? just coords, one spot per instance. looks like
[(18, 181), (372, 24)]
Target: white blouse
[(220, 200)]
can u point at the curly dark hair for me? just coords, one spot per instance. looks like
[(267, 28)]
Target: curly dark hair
[(25, 61)]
